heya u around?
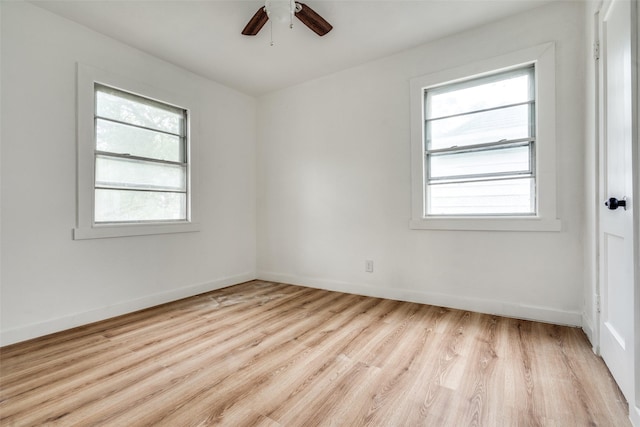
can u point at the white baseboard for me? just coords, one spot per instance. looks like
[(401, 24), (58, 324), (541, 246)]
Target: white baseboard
[(35, 330), (506, 309), (634, 415)]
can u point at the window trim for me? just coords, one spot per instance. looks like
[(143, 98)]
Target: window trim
[(86, 228), (543, 57)]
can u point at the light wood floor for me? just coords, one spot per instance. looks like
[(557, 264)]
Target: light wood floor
[(267, 354)]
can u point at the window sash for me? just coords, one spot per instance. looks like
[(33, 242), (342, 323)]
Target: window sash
[(172, 205), (481, 148), (116, 137), (529, 71), (121, 172), (161, 110), (484, 208)]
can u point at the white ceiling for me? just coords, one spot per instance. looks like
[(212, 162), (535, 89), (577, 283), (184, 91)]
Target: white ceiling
[(203, 36)]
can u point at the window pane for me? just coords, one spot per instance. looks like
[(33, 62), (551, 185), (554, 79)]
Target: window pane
[(123, 139), (128, 173), (477, 128), (510, 196), (491, 161), (475, 95), (128, 108), (127, 206)]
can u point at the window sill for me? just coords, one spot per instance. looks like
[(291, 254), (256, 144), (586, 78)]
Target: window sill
[(109, 231), (486, 224)]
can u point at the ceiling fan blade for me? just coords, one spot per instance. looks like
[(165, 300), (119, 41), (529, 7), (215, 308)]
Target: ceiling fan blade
[(312, 20), (256, 23)]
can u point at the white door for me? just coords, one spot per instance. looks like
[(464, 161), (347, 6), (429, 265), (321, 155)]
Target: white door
[(617, 26)]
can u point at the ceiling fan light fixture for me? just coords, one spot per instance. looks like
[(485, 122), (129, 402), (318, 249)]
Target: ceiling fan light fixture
[(280, 10)]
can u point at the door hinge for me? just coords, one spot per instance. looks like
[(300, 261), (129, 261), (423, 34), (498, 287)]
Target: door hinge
[(597, 303), (596, 50)]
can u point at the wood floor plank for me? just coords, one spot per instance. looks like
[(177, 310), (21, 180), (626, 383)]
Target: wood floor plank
[(271, 354), (259, 372), (194, 375)]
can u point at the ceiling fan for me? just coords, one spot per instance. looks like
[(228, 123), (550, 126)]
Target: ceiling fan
[(283, 10)]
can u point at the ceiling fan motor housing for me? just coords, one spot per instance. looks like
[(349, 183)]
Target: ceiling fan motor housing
[(280, 10)]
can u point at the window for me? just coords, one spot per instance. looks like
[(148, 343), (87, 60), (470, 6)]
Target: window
[(483, 145), (140, 159), (135, 165), (480, 146)]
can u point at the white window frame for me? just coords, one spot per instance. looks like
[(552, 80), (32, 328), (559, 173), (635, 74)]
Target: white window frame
[(86, 227), (543, 58)]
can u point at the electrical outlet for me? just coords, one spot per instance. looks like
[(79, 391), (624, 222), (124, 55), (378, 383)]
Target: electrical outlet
[(368, 266)]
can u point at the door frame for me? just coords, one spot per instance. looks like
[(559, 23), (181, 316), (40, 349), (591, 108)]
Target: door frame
[(634, 408)]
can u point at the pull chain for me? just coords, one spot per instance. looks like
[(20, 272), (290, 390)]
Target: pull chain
[(271, 31)]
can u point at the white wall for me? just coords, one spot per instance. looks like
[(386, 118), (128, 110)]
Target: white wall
[(334, 185), (50, 282)]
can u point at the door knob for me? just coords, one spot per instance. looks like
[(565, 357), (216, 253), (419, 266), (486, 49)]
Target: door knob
[(614, 203)]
